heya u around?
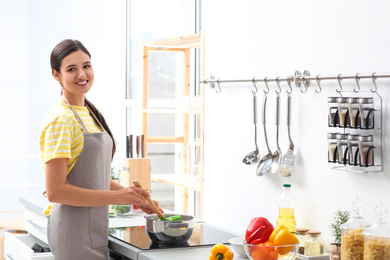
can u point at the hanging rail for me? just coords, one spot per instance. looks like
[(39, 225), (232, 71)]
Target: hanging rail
[(298, 79)]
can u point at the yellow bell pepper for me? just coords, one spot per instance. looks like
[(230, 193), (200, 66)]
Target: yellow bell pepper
[(276, 231), (221, 252), (285, 237)]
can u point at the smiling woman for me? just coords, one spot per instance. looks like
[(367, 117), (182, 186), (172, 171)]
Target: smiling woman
[(76, 150)]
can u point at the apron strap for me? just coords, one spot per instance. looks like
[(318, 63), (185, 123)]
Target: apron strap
[(77, 115)]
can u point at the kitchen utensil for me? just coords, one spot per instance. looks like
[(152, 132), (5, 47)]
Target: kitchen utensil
[(277, 156), (131, 141), (253, 157), (289, 156), (159, 214), (265, 163), (170, 232)]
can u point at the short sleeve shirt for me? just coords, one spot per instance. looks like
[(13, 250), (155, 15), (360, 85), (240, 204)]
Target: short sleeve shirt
[(62, 135)]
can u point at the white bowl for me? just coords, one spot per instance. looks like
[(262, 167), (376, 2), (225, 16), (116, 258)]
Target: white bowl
[(238, 246)]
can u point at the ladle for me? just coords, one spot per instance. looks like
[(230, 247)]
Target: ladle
[(159, 214), (253, 157), (277, 156), (265, 163)]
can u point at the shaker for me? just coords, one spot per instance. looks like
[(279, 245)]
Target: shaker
[(332, 148), (353, 149), (366, 149), (353, 111), (366, 112), (342, 148), (333, 116), (343, 111)]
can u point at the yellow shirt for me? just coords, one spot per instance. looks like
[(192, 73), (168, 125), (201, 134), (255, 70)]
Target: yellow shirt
[(62, 135)]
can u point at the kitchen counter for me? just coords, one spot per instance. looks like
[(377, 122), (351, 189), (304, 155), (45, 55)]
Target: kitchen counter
[(126, 250)]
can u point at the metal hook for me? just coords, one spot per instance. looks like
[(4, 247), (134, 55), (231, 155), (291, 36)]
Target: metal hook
[(374, 81), (254, 83), (289, 80), (266, 83), (339, 81), (277, 83), (357, 83), (303, 80), (319, 85), (219, 87)]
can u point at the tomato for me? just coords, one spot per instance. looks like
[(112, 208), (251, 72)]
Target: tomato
[(259, 253), (273, 255)]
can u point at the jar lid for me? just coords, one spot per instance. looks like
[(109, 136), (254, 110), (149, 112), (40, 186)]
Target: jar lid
[(302, 231), (353, 137), (353, 100), (380, 229), (332, 99), (314, 233), (366, 100), (342, 99), (340, 136), (332, 135), (365, 138)]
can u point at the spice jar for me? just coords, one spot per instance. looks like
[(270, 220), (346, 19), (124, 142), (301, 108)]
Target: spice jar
[(332, 148), (333, 117), (314, 245), (353, 149), (302, 235), (366, 150), (343, 111), (366, 106), (352, 239), (353, 111), (377, 238), (342, 148)]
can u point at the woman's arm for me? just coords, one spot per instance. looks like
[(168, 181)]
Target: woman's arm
[(59, 191)]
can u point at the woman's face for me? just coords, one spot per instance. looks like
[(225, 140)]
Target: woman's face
[(76, 75)]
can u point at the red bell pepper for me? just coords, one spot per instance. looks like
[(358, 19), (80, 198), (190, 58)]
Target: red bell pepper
[(258, 231)]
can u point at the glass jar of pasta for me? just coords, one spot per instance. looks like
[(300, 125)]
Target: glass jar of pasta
[(352, 239), (377, 238)]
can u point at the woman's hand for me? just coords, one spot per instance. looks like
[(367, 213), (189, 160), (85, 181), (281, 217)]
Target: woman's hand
[(145, 207), (131, 195)]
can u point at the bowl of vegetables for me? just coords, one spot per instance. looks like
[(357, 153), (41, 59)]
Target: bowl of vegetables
[(268, 251), (121, 210)]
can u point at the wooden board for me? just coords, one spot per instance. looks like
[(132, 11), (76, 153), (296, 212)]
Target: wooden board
[(136, 169)]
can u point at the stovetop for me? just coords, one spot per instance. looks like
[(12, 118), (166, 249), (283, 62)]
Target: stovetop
[(203, 234)]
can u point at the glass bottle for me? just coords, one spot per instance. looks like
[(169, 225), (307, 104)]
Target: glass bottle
[(333, 117), (353, 111), (302, 235), (366, 150), (314, 245), (286, 204), (366, 112), (353, 149), (343, 111), (352, 239), (342, 145), (332, 148), (377, 238)]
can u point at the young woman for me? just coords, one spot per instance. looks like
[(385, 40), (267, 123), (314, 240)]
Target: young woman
[(77, 147)]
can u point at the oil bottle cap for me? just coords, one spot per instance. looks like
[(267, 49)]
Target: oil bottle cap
[(287, 185)]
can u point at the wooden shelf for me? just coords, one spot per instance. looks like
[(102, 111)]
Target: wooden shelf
[(181, 180), (171, 111), (165, 139)]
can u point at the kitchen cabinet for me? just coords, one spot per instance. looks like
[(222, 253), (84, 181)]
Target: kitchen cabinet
[(185, 115), (18, 247)]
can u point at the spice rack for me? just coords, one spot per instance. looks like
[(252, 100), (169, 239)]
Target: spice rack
[(360, 141)]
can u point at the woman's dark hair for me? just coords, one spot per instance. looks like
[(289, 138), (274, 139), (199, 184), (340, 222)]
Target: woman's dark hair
[(62, 50)]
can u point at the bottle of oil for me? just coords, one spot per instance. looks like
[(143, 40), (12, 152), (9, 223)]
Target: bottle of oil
[(286, 204)]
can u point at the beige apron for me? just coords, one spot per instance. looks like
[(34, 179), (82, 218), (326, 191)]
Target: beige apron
[(82, 232)]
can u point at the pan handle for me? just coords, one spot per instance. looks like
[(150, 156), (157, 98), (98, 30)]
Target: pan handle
[(171, 224)]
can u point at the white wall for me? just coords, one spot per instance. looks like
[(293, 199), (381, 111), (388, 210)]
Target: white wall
[(253, 38), (29, 30)]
